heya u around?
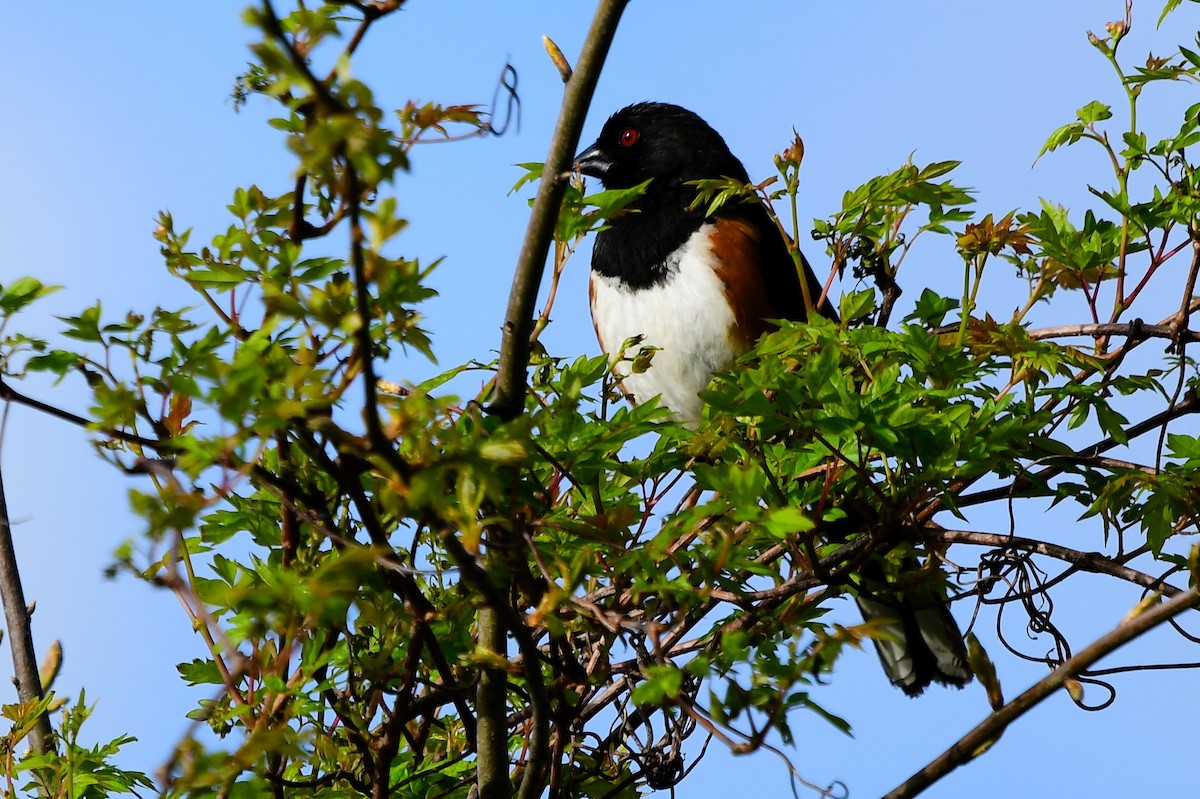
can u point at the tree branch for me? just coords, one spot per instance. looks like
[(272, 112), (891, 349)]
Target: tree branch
[(20, 633), (1177, 319), (380, 443), (492, 775), (971, 745), (270, 22), (531, 263), (1190, 404), (8, 393), (491, 711), (1133, 330), (499, 612), (1093, 562)]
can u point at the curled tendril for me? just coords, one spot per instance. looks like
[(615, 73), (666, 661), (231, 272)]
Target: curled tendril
[(1027, 586), (1109, 689), (512, 102), (836, 790), (659, 756), (1174, 622)]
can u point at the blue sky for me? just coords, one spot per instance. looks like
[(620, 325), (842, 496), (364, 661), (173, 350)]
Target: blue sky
[(114, 112)]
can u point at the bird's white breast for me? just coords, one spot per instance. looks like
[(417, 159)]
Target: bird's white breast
[(686, 317)]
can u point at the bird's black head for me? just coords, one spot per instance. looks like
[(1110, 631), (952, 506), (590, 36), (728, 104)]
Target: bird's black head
[(659, 141)]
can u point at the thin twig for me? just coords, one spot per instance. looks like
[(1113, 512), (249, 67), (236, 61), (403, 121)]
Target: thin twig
[(1190, 404), (7, 392), (1093, 562), (365, 345), (1133, 330)]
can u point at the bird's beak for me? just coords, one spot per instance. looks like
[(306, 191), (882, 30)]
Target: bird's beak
[(594, 162)]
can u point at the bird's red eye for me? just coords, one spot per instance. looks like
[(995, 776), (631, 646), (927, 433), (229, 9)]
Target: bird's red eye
[(628, 137)]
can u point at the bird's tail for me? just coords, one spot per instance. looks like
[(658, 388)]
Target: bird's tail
[(919, 641)]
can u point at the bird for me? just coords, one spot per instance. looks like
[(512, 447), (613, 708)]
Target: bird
[(700, 289)]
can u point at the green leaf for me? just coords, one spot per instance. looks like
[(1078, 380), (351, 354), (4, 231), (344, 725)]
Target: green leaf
[(200, 672), (663, 682), (85, 327), (1066, 135), (785, 523), (21, 292), (1185, 448), (1095, 111), (58, 362), (1170, 6), (532, 171), (1190, 55), (931, 308), (937, 169), (1112, 423), (857, 304), (504, 452), (220, 276)]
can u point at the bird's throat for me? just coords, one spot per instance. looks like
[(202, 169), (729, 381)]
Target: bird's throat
[(637, 247)]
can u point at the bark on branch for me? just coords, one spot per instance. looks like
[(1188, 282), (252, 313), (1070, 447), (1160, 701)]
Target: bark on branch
[(20, 632), (492, 779), (531, 263), (1093, 562)]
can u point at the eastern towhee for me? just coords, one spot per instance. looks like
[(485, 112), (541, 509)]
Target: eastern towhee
[(700, 288)]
